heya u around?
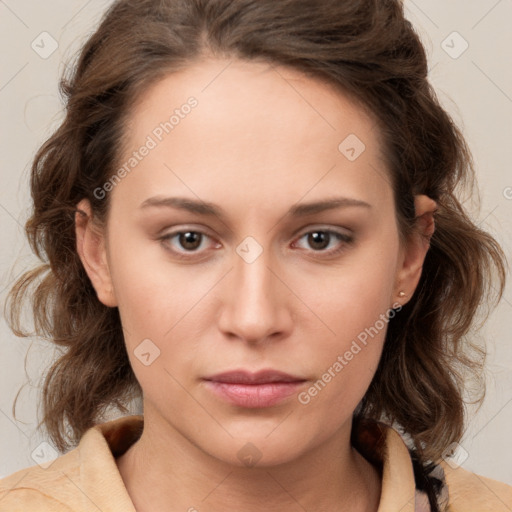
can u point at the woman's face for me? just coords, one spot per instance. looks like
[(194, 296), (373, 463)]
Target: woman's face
[(264, 280)]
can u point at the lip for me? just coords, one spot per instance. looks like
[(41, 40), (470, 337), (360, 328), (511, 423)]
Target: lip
[(260, 377), (254, 390)]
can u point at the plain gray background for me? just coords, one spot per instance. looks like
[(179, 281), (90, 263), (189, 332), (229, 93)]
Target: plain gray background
[(469, 46)]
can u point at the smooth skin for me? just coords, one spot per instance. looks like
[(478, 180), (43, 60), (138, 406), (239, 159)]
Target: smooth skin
[(261, 140)]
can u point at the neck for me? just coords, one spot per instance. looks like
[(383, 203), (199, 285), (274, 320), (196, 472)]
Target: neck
[(165, 471)]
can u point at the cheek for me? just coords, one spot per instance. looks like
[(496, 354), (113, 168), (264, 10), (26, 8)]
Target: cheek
[(152, 292), (162, 307), (153, 301), (355, 308), (346, 361), (350, 297)]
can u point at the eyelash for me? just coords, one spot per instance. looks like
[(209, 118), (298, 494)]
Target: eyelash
[(346, 239)]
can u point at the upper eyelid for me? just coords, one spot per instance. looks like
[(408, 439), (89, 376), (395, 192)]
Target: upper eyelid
[(321, 227), (309, 229)]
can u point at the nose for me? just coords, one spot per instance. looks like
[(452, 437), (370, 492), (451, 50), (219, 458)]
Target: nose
[(256, 302)]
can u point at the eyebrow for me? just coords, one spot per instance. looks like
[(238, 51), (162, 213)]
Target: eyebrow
[(211, 210)]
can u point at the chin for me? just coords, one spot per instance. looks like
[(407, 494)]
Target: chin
[(263, 445), (259, 453)]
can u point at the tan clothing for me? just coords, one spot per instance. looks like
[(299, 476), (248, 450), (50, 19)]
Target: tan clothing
[(87, 479)]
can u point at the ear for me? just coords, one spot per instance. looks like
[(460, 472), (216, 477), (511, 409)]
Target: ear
[(91, 248), (412, 256)]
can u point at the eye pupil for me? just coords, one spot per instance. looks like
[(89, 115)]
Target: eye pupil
[(187, 240), (319, 237)]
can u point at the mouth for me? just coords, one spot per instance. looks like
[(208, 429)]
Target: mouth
[(254, 390), (260, 377)]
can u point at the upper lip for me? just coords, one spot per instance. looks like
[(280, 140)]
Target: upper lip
[(247, 377)]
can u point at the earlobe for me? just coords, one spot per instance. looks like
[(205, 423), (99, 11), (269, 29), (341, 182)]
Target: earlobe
[(91, 248), (413, 256)]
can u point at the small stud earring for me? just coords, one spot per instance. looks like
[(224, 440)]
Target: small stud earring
[(401, 294)]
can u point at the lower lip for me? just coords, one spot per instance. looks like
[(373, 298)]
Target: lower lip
[(254, 395)]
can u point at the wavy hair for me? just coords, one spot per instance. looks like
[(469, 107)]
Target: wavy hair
[(368, 50)]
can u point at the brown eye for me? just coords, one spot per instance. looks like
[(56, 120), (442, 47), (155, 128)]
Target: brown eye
[(319, 240), (189, 240), (184, 243)]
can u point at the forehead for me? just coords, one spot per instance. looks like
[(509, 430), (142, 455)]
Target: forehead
[(257, 129), (271, 95)]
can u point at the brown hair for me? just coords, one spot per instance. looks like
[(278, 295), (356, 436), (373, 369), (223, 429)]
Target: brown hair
[(369, 51)]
